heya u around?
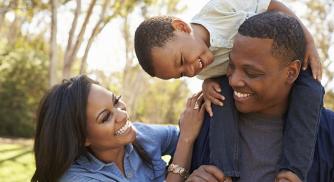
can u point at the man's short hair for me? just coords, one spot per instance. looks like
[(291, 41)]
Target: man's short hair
[(153, 32), (287, 34)]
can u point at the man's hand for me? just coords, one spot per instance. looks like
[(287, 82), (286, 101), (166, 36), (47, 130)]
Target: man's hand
[(208, 173), (287, 176), (211, 93)]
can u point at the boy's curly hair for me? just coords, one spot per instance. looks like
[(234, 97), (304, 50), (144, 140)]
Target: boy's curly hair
[(153, 32)]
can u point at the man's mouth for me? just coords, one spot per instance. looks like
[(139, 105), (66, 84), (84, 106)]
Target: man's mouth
[(124, 129), (241, 95)]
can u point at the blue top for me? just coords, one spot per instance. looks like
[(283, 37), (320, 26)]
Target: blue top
[(322, 169), (156, 140)]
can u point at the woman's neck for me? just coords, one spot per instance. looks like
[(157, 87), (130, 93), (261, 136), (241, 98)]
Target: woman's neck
[(114, 155)]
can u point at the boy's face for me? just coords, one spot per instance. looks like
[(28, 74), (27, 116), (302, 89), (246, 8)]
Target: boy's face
[(183, 55), (261, 82)]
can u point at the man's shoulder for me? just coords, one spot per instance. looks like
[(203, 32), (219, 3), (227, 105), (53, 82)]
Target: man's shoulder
[(323, 162), (327, 122)]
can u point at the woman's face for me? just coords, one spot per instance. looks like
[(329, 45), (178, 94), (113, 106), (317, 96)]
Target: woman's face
[(108, 126)]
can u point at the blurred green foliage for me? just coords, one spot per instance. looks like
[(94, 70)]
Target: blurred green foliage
[(16, 162), (23, 80)]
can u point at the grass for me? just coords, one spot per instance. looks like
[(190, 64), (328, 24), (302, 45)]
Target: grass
[(16, 160)]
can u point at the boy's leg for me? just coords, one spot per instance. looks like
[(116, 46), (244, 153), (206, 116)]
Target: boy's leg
[(224, 133), (301, 126)]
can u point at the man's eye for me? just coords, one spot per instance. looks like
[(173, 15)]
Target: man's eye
[(253, 75)]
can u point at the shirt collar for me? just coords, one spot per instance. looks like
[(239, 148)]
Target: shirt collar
[(91, 163)]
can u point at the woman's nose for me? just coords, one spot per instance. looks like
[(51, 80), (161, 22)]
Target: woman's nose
[(121, 115)]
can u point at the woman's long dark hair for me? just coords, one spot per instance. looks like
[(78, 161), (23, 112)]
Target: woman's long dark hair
[(61, 129)]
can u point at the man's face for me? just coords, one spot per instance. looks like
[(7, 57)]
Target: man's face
[(258, 79), (183, 55)]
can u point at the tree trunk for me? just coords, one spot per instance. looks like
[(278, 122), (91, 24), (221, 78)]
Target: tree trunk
[(53, 44), (97, 29), (72, 52)]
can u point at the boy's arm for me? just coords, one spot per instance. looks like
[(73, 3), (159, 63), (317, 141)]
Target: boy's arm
[(311, 55)]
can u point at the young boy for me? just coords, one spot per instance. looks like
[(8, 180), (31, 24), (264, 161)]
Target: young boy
[(167, 47)]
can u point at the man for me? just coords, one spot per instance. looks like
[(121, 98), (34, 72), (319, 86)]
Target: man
[(265, 62)]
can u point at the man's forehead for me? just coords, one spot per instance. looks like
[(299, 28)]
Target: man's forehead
[(252, 46)]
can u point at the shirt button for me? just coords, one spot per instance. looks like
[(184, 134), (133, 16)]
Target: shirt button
[(129, 175)]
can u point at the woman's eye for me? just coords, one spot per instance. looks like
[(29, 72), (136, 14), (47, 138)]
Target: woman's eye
[(106, 117)]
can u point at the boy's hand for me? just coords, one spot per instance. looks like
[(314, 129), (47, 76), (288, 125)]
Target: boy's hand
[(312, 58), (211, 93), (287, 176)]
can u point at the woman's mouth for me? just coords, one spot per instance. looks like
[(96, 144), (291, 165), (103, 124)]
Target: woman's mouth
[(124, 129)]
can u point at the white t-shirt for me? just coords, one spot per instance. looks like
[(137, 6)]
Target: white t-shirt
[(222, 19)]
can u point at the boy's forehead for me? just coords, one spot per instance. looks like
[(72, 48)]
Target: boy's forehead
[(164, 62)]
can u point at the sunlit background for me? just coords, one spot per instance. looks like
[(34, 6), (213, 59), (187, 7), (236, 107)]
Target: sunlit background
[(41, 44)]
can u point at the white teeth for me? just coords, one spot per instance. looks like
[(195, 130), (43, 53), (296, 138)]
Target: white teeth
[(241, 95), (200, 63), (124, 128)]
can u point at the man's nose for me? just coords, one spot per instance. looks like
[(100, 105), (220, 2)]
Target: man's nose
[(236, 80)]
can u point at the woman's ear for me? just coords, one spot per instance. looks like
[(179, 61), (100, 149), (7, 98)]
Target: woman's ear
[(87, 143), (293, 71), (180, 25)]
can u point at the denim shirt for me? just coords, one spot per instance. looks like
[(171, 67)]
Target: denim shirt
[(156, 140)]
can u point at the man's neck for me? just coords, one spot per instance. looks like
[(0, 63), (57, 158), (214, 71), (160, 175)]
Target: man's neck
[(201, 33)]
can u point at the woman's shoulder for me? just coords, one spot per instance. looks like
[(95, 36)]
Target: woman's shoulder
[(155, 138), (154, 131)]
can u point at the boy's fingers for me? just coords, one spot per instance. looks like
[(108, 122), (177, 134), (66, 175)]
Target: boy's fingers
[(217, 95), (217, 87), (305, 62), (215, 101), (207, 105)]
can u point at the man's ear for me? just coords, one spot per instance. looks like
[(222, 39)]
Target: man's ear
[(293, 71), (180, 25)]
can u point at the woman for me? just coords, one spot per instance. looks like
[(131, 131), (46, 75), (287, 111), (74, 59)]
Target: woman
[(84, 134)]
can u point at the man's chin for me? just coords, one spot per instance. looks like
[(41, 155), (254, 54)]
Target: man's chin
[(243, 108)]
